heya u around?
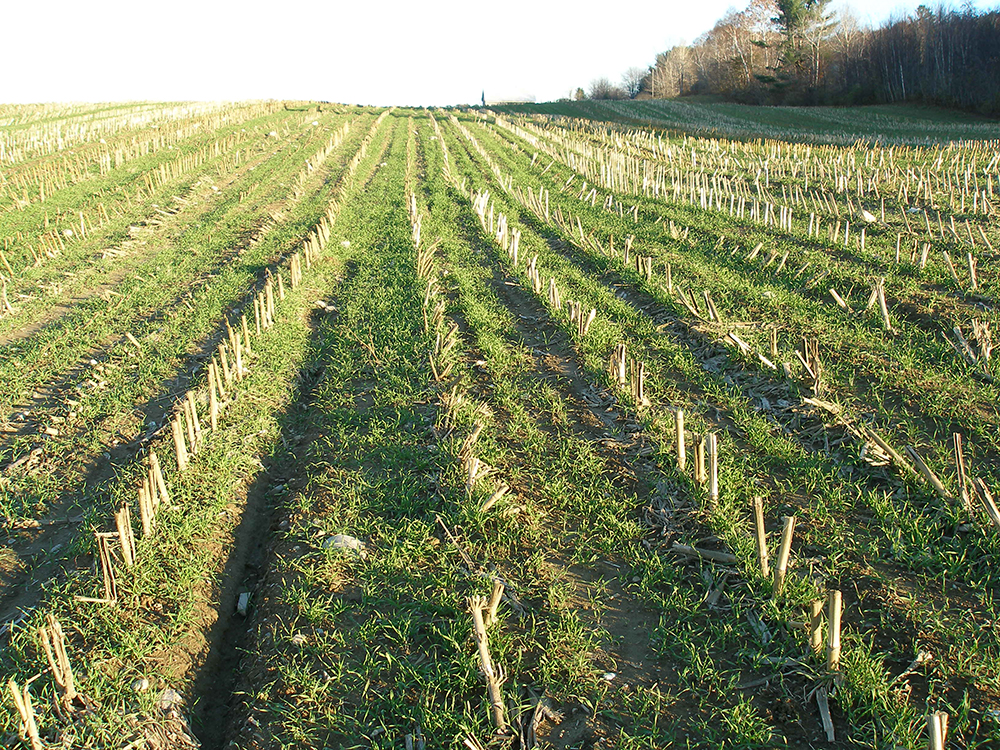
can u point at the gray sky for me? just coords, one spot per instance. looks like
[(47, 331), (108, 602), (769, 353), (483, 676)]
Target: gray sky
[(408, 53)]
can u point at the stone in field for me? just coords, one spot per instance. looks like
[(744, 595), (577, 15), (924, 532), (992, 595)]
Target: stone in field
[(168, 699), (343, 541)]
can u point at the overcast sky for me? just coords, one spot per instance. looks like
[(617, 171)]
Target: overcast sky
[(418, 52)]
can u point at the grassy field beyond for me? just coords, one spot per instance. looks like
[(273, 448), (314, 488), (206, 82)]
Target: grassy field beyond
[(888, 124)]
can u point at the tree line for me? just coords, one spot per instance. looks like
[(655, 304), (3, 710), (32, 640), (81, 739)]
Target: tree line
[(800, 52)]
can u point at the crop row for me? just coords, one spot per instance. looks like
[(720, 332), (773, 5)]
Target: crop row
[(790, 468), (157, 574)]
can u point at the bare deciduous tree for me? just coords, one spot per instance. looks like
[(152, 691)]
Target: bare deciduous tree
[(602, 88), (633, 80), (795, 51)]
